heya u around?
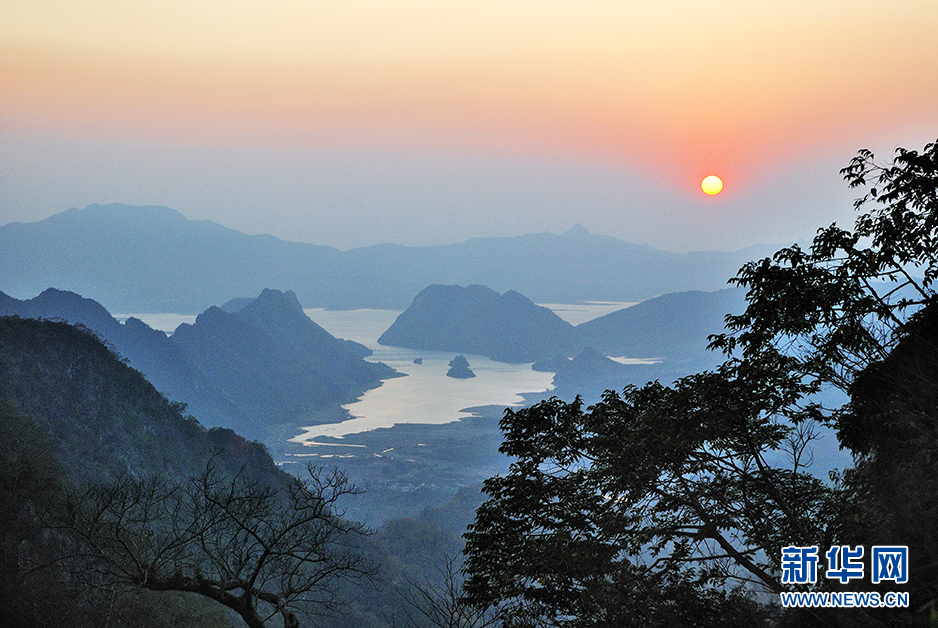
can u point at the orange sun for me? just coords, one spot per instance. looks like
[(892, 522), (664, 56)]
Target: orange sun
[(711, 185)]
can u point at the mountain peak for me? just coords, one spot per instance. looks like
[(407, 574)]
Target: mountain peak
[(122, 212), (65, 305), (577, 231), (277, 298)]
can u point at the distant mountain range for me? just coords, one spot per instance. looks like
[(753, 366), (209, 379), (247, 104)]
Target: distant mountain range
[(153, 259), (261, 364)]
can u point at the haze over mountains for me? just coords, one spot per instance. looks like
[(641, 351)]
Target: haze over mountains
[(72, 413), (260, 366), (512, 328), (273, 362), (249, 362), (263, 367), (153, 259)]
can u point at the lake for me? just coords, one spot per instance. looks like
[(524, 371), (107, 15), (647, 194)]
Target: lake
[(426, 395)]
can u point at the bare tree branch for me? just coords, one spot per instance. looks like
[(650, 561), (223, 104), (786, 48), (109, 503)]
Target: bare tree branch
[(259, 550)]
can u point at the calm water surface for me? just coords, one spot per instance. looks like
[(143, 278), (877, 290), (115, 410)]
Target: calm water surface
[(425, 395)]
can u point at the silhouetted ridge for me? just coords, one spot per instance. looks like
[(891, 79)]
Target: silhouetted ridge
[(152, 259), (112, 213), (147, 350), (577, 231), (673, 325), (274, 363), (511, 328), (70, 307), (234, 305), (476, 319), (267, 364)]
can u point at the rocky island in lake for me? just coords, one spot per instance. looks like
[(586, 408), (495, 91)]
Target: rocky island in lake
[(459, 368)]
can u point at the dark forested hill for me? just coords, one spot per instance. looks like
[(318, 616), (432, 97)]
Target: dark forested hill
[(115, 502), (73, 413), (152, 259), (145, 349), (104, 417)]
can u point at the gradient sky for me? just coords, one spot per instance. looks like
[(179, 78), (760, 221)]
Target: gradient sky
[(363, 121)]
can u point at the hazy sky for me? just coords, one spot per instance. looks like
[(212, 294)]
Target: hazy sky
[(420, 122)]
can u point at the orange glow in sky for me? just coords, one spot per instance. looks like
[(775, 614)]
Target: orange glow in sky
[(671, 91), (672, 87)]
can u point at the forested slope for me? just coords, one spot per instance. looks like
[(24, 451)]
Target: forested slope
[(104, 417)]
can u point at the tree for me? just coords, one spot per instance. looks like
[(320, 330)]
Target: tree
[(259, 550), (891, 425), (858, 312), (439, 604), (845, 303), (645, 508), (37, 566)]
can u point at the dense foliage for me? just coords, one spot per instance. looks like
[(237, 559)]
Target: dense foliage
[(647, 508), (42, 580), (669, 505), (105, 418)]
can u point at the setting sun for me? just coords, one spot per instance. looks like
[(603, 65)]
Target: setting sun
[(711, 185)]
